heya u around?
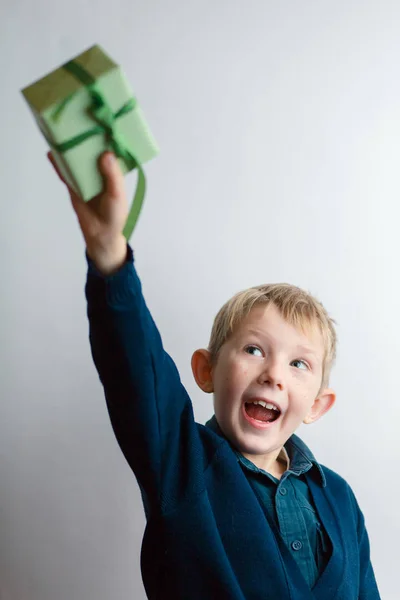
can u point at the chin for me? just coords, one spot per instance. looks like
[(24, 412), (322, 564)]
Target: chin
[(244, 443)]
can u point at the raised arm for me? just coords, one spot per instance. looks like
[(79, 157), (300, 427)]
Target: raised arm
[(149, 408), (150, 411)]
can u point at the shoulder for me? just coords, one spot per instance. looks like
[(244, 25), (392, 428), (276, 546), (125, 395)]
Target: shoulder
[(338, 487), (334, 478), (214, 446), (335, 483)]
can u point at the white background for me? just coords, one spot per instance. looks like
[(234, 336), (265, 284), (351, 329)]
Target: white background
[(279, 124)]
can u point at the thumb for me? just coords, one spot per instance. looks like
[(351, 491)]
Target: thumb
[(114, 184)]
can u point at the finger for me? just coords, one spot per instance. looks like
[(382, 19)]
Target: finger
[(114, 184)]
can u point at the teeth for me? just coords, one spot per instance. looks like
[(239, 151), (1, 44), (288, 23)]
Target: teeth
[(265, 405)]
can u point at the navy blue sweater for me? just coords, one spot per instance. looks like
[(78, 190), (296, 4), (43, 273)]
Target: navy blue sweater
[(207, 536)]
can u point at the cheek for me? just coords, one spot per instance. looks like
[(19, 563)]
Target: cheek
[(234, 379), (243, 373), (239, 374), (303, 396)]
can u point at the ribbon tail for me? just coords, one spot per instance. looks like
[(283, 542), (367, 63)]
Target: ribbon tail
[(136, 204)]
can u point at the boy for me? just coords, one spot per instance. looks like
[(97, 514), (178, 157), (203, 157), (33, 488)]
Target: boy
[(238, 509)]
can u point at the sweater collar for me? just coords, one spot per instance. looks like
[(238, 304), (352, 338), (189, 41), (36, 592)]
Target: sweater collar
[(301, 459)]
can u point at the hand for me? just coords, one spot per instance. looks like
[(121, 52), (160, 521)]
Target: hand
[(103, 218)]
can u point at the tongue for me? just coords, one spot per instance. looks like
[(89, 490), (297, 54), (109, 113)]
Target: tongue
[(256, 411)]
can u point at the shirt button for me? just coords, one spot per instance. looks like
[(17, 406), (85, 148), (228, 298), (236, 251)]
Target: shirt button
[(297, 545), (283, 491)]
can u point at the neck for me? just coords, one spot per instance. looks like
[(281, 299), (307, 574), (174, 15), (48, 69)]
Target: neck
[(271, 463)]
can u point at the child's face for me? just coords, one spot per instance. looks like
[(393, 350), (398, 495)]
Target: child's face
[(270, 360)]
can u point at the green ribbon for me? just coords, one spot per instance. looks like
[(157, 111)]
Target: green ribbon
[(102, 114)]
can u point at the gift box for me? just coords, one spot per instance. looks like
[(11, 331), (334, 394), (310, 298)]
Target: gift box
[(85, 107)]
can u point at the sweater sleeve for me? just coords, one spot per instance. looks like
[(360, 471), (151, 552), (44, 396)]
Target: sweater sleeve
[(368, 586), (150, 411)]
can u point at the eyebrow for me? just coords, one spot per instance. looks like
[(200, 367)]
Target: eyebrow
[(306, 350), (300, 348)]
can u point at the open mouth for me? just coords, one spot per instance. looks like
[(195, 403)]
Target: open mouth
[(263, 412)]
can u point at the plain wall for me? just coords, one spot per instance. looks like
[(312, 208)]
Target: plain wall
[(279, 128)]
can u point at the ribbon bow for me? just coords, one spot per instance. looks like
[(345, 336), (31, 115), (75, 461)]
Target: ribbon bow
[(102, 114)]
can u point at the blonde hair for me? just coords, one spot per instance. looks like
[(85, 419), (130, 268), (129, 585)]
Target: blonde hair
[(296, 306)]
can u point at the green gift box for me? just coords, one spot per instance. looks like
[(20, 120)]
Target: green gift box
[(85, 107)]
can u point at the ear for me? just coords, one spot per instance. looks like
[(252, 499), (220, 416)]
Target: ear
[(202, 370), (324, 402)]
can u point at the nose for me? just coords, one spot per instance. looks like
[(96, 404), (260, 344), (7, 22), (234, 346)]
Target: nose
[(272, 375)]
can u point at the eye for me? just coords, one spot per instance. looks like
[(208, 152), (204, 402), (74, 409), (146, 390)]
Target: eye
[(300, 364), (253, 350)]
